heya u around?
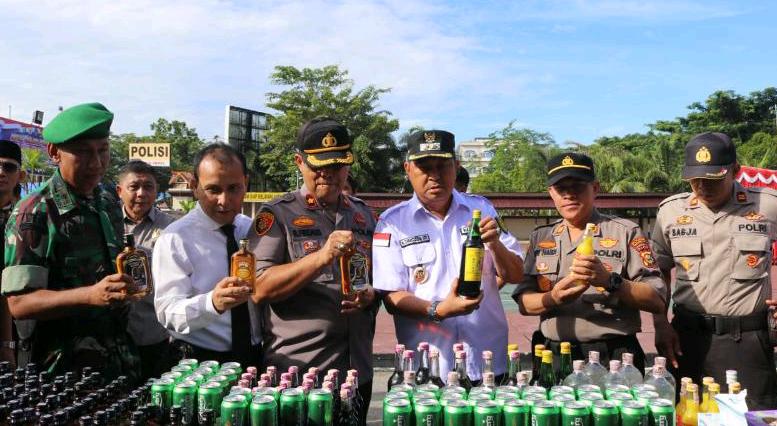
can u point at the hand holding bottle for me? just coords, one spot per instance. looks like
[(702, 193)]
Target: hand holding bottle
[(568, 289), (489, 230), (592, 269), (108, 291), (337, 244), (361, 300), (230, 292), (454, 305)]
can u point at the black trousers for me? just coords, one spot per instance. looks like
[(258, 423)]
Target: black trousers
[(156, 359), (608, 349), (365, 390), (708, 354)]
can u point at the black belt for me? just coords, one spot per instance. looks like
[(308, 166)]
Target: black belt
[(720, 324)]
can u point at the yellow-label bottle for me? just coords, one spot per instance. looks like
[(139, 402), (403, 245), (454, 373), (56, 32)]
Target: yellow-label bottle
[(134, 263), (244, 263), (472, 255), (586, 246), (691, 413)]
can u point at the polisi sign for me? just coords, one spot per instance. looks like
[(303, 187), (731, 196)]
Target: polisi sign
[(155, 154)]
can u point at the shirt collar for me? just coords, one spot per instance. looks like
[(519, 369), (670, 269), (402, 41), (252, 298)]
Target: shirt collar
[(206, 220), (311, 202), (150, 216), (65, 198), (457, 202)]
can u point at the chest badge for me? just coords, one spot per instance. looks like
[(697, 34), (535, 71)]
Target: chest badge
[(754, 216), (311, 246), (549, 244), (303, 221), (420, 275), (608, 242), (684, 220), (752, 260)]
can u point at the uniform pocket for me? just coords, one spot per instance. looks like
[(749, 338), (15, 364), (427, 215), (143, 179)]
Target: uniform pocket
[(752, 259), (687, 256)]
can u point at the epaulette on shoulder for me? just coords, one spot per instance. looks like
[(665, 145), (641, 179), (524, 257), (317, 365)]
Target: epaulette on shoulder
[(681, 196), (285, 198), (549, 225), (393, 209), (356, 200), (762, 190), (626, 223)]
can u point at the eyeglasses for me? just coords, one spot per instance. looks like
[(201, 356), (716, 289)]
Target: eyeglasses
[(9, 166)]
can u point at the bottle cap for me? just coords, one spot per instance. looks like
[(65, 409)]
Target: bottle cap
[(434, 353), (736, 387), (423, 346), (686, 380), (488, 355), (488, 378), (293, 369), (476, 214), (615, 365), (408, 354), (409, 376), (566, 348), (659, 360), (707, 380), (286, 376), (458, 347), (271, 369), (659, 370), (538, 350), (333, 372), (692, 387), (714, 387), (731, 376), (593, 356), (628, 358), (313, 370), (453, 378), (515, 355), (512, 347), (345, 393), (328, 386), (461, 355), (308, 384), (547, 357), (578, 364)]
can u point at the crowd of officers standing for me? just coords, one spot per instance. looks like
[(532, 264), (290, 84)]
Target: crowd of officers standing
[(65, 307)]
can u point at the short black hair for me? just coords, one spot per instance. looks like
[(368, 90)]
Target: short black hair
[(223, 153), (138, 167), (462, 177)]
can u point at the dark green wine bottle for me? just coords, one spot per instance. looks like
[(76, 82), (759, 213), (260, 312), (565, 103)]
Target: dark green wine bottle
[(472, 260)]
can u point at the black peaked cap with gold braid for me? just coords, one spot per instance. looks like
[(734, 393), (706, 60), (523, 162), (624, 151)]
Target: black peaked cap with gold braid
[(709, 155), (570, 164), (324, 142), (431, 143)]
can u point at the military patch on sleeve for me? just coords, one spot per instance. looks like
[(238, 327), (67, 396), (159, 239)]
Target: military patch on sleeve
[(263, 222), (641, 245)]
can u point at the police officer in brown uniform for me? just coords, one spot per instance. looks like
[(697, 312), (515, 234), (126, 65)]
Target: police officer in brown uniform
[(594, 301), (298, 240), (718, 240)]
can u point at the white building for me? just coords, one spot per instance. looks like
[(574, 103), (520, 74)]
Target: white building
[(474, 155)]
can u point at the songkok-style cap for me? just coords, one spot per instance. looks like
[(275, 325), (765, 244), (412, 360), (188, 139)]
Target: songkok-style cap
[(709, 156), (570, 164), (324, 142), (430, 143), (10, 150), (85, 121)]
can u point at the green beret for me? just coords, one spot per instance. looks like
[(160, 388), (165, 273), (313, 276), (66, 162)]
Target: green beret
[(85, 121)]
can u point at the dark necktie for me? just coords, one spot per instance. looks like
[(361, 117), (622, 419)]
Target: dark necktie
[(241, 322)]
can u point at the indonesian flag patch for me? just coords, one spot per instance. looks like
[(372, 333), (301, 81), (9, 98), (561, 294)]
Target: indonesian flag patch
[(381, 239)]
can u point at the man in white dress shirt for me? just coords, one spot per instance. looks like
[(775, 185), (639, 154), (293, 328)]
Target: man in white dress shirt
[(417, 253), (207, 311)]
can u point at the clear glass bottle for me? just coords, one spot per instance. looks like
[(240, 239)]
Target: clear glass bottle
[(578, 376), (434, 368), (135, 263), (513, 360), (461, 369), (630, 372), (614, 377), (691, 412), (594, 370), (488, 363), (659, 360), (663, 387)]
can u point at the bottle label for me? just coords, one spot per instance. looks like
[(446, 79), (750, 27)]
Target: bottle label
[(358, 276), (473, 263), (243, 270), (136, 267)]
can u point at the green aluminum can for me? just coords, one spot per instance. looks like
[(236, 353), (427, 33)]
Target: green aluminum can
[(273, 392), (516, 413), (184, 369), (196, 378), (445, 399), (604, 413), (634, 413), (320, 403), (457, 413), (210, 364), (427, 412), (475, 399), (533, 398), (223, 382), (430, 387), (208, 398), (561, 389), (234, 365), (292, 407), (175, 376), (662, 412), (234, 410), (534, 389), (636, 389), (515, 390), (185, 396), (264, 411), (562, 399), (590, 397), (611, 389), (162, 395), (398, 412), (231, 373), (620, 397), (487, 413), (193, 363), (545, 413), (575, 413), (646, 396), (204, 370), (587, 389), (424, 395), (454, 390)]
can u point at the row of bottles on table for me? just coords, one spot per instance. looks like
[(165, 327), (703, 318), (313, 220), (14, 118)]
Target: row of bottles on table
[(691, 404), (207, 393)]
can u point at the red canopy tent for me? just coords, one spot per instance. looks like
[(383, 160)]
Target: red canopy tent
[(754, 176)]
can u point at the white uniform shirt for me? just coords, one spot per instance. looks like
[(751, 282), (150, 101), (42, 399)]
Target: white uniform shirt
[(415, 251), (190, 258)]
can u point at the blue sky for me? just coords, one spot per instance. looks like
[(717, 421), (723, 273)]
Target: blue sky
[(575, 69)]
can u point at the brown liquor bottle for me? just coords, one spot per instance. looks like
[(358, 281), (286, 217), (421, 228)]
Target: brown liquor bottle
[(244, 263), (135, 263), (472, 253), (355, 272)]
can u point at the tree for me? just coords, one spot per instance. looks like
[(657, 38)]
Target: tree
[(327, 91)]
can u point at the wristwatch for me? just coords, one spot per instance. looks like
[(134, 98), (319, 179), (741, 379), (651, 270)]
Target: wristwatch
[(432, 311), (615, 282), (10, 344)]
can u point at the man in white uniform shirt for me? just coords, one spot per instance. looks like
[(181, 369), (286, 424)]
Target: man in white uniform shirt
[(417, 253), (204, 308)]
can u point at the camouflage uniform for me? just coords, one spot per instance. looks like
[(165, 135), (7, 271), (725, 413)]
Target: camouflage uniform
[(58, 240)]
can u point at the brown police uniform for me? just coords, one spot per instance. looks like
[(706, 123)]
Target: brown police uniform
[(596, 320), (722, 280), (307, 329)]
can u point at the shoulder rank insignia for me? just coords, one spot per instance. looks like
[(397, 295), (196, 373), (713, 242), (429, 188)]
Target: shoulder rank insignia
[(754, 216), (608, 242)]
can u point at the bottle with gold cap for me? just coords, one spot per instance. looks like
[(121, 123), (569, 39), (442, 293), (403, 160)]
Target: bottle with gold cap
[(705, 396), (735, 388), (536, 362), (513, 368), (547, 376), (691, 412), (472, 253), (712, 404), (565, 365), (680, 409)]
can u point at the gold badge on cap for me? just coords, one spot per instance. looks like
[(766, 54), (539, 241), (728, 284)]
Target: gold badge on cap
[(567, 161), (703, 155), (430, 137), (420, 275), (329, 140)]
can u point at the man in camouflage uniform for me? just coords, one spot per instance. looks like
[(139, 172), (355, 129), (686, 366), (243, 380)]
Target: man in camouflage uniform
[(61, 243)]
